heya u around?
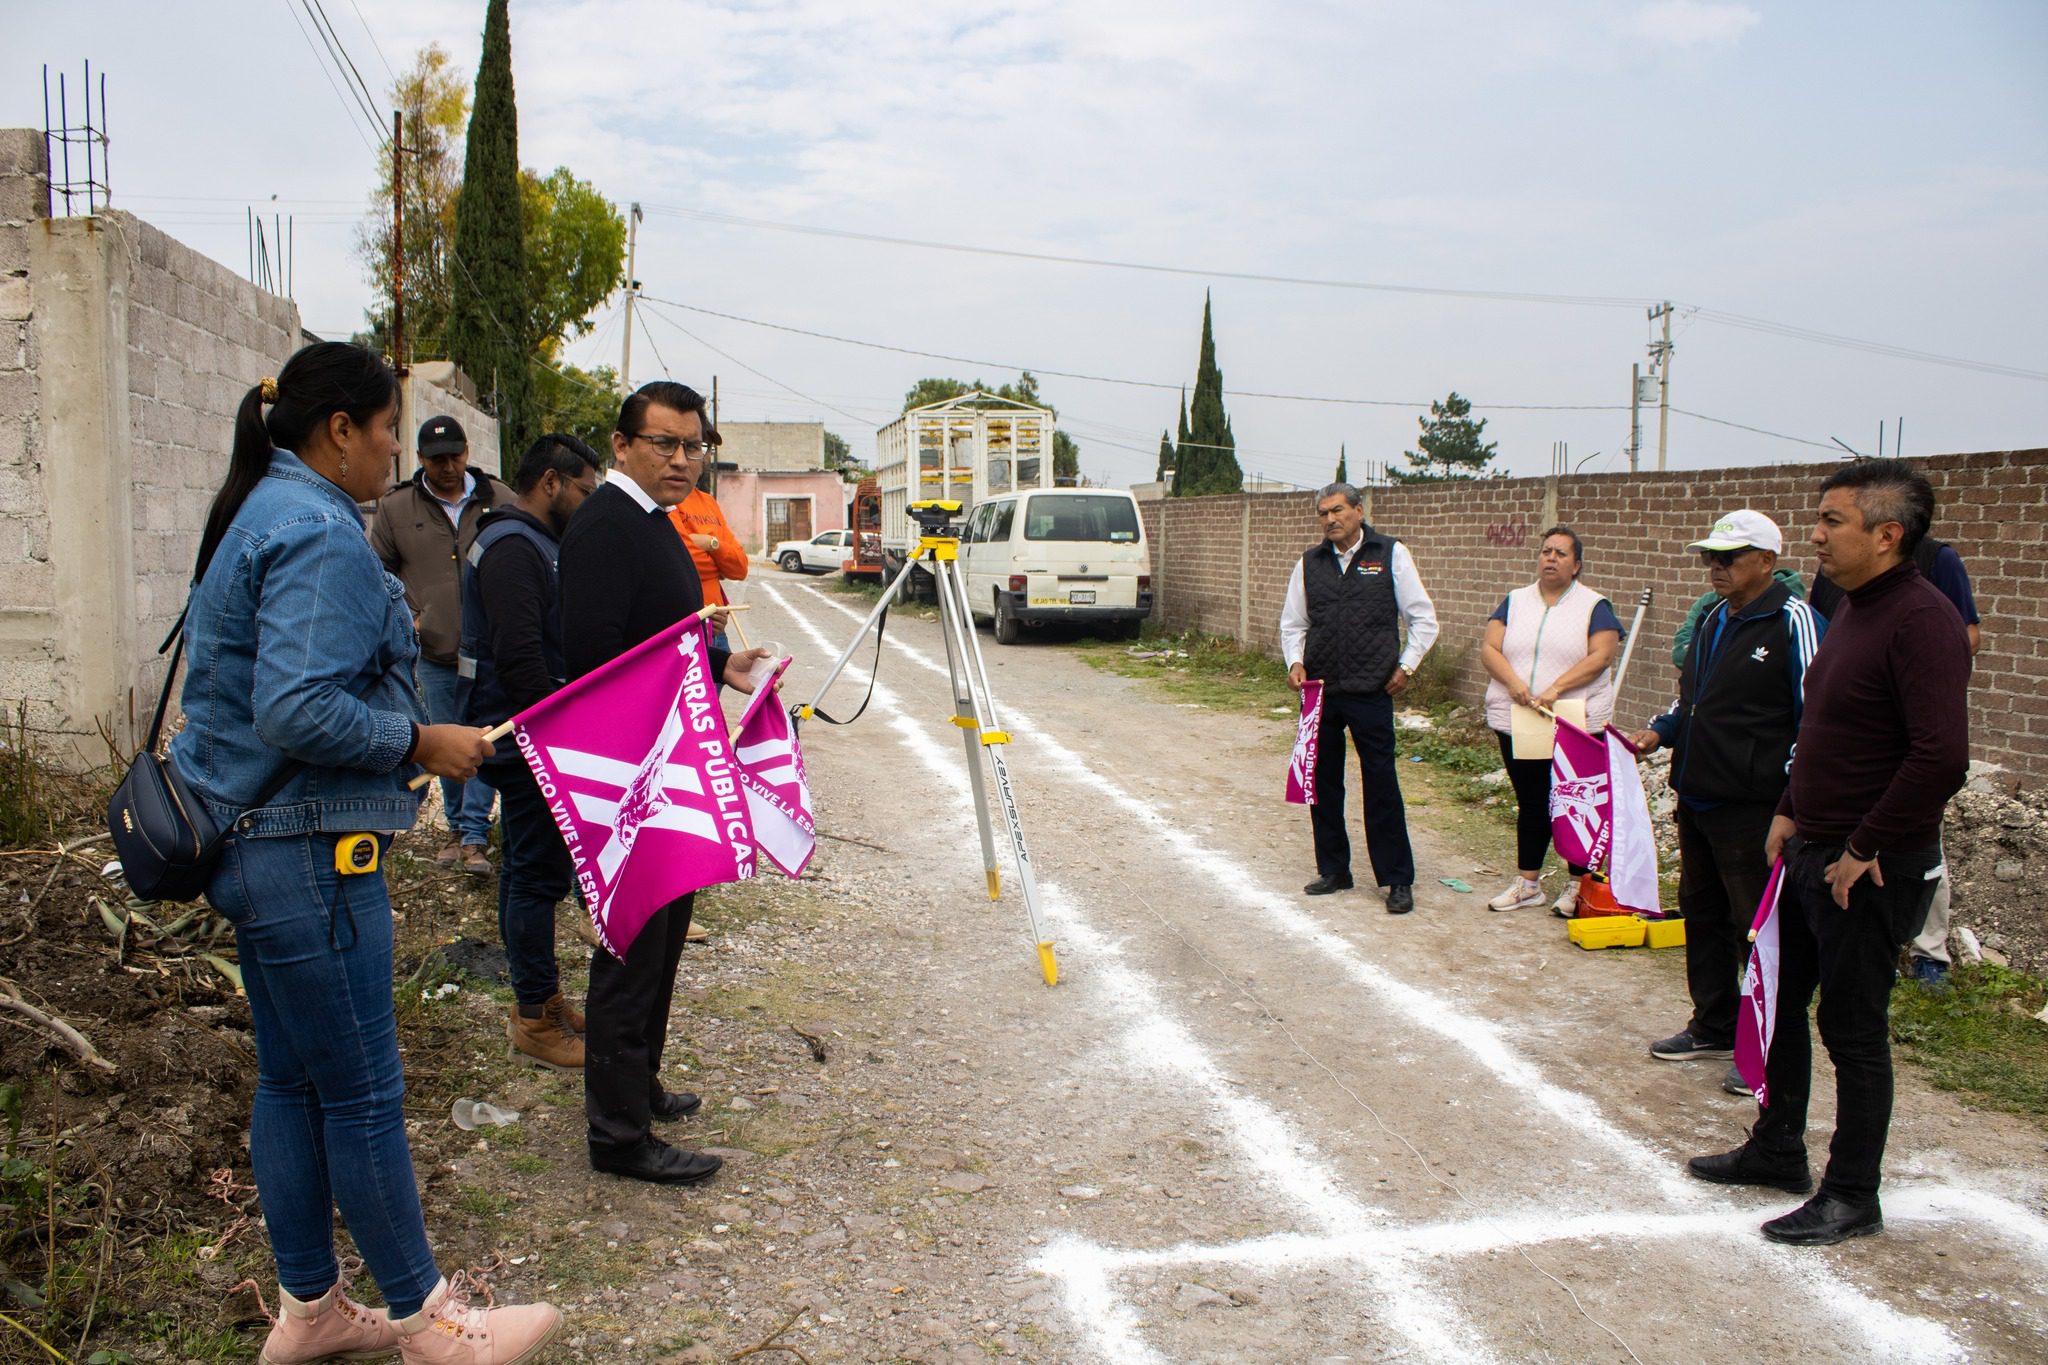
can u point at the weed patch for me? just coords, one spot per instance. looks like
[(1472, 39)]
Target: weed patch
[(1978, 1037)]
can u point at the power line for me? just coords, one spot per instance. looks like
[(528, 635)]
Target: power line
[(1110, 379), (360, 88), (1739, 426), (644, 300), (1493, 295), (348, 106), (371, 34)]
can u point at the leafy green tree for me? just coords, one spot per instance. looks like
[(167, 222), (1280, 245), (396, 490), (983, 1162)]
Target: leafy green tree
[(584, 403), (1066, 453), (1450, 446), (575, 254), (488, 312), (1209, 426), (1342, 475), (433, 100)]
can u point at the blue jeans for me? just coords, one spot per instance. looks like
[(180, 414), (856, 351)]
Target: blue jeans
[(329, 1123), (532, 879), (467, 804)]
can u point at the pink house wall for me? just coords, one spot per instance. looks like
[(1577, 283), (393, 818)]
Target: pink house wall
[(743, 497)]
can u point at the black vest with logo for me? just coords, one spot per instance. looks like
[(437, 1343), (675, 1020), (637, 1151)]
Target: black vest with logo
[(480, 697), (1354, 635)]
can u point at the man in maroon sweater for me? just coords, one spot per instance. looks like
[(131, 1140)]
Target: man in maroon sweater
[(1883, 744)]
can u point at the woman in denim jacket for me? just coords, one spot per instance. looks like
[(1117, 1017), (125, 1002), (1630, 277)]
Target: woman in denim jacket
[(302, 650)]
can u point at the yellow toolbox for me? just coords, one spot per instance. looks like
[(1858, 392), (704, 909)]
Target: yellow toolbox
[(1608, 931), (1666, 933)]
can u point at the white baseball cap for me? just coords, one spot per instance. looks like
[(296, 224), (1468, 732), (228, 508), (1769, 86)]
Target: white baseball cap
[(1742, 530)]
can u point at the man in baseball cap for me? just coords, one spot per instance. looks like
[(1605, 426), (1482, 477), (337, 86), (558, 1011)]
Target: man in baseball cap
[(1731, 734)]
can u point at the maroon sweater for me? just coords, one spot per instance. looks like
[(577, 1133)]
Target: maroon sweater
[(1885, 740)]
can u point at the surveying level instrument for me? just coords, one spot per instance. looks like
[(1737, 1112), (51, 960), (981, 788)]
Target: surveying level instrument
[(974, 707)]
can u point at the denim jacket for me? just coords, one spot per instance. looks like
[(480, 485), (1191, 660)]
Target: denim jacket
[(300, 646)]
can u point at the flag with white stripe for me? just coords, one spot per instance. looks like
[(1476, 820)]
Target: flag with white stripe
[(771, 768), (634, 764), (1757, 1018)]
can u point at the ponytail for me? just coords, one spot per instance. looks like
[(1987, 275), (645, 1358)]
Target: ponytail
[(317, 382)]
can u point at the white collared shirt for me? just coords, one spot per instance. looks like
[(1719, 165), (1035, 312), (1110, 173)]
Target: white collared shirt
[(454, 509), (1418, 613), (632, 489)]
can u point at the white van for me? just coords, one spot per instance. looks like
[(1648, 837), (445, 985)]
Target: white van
[(1068, 555)]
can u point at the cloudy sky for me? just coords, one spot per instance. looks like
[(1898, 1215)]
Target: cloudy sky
[(1362, 187)]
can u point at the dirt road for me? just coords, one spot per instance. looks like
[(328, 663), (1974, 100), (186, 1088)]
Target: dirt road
[(1248, 1125)]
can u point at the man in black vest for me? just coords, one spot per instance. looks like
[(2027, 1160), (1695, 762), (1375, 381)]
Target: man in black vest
[(510, 658), (1346, 603), (627, 577)]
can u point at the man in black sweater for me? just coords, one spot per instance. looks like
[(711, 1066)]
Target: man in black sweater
[(510, 658), (627, 576), (1883, 745)]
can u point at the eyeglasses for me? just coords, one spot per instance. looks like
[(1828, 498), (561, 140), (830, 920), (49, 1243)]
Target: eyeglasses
[(669, 445), (1724, 558)]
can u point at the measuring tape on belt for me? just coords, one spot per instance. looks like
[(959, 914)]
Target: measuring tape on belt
[(354, 853)]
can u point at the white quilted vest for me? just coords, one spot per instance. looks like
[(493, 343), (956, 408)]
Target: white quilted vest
[(1542, 643)]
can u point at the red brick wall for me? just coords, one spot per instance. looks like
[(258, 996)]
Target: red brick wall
[(1473, 542)]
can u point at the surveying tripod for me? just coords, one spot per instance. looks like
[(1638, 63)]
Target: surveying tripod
[(974, 707)]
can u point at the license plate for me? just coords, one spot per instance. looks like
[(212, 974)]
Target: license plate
[(1082, 597)]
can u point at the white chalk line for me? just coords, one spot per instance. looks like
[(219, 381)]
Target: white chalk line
[(1883, 1326), (1156, 1040)]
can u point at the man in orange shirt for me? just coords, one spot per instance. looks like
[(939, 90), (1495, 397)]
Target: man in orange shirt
[(715, 550)]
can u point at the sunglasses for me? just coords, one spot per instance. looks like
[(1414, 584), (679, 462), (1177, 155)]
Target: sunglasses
[(1724, 558)]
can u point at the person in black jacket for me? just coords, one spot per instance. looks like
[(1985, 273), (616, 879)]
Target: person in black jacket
[(510, 658), (1740, 694), (627, 576)]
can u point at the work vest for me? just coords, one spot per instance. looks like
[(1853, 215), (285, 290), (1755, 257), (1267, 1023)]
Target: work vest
[(1541, 644), (479, 695), (1354, 620)]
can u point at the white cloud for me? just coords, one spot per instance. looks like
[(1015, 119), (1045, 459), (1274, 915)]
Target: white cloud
[(1693, 23)]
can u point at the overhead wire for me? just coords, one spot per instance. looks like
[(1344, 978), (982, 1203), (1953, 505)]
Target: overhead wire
[(358, 87), (743, 364), (349, 106)]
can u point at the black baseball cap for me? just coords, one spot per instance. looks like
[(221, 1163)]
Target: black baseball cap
[(442, 436)]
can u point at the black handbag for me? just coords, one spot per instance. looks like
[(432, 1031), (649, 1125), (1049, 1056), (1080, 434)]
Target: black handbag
[(166, 840)]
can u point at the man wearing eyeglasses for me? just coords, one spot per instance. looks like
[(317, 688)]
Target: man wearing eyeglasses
[(1741, 688), (626, 577)]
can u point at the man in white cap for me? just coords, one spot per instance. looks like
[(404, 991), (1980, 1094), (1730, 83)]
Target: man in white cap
[(1740, 691)]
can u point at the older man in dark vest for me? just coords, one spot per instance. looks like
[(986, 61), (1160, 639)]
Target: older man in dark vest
[(1347, 602)]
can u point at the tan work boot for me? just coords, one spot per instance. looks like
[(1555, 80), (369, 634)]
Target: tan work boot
[(447, 1331), (558, 1007), (545, 1039), (450, 854), (331, 1327)]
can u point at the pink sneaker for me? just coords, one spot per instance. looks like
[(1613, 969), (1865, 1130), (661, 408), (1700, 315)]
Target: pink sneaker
[(447, 1331), (330, 1328)]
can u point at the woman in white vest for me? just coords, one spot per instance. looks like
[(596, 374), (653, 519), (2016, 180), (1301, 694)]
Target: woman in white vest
[(1551, 641)]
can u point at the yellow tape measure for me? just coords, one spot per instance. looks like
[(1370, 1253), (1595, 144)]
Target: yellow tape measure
[(355, 853)]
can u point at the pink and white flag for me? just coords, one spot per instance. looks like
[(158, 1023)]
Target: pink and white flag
[(1757, 1019), (1581, 802), (634, 764), (1632, 852), (1301, 768), (771, 766)]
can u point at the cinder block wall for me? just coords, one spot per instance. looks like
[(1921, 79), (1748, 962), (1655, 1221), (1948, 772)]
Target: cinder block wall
[(1220, 564)]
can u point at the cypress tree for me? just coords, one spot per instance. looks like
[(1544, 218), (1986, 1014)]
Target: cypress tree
[(1342, 476), (488, 310), (1209, 425), (1165, 456), (1184, 453)]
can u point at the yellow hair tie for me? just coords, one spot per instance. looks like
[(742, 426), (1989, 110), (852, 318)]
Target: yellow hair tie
[(269, 386)]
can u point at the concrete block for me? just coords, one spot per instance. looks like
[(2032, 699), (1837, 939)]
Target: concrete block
[(13, 247), (28, 586), (14, 298)]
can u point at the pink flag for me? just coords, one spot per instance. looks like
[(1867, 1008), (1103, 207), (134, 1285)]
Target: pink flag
[(635, 767), (1301, 768), (1632, 852), (772, 775), (1581, 805), (1758, 1018)]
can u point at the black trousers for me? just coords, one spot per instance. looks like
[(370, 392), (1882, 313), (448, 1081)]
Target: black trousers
[(1852, 956), (1721, 876), (1369, 716), (1530, 777), (626, 1024)]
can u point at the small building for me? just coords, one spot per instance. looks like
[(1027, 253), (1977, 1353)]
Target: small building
[(780, 488)]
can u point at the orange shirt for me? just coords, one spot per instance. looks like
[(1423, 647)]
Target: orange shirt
[(698, 515)]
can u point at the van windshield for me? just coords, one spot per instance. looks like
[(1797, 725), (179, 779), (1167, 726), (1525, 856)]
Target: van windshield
[(1087, 517)]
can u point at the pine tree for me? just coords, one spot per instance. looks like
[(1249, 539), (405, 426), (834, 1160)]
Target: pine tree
[(488, 312), (1165, 457), (1450, 446), (1209, 425), (1342, 475)]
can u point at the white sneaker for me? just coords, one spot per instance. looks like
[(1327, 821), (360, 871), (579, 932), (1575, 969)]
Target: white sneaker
[(1566, 906), (1520, 895)]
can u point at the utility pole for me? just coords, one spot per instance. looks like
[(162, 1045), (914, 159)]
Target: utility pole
[(1635, 415), (397, 247), (1660, 365), (632, 292)]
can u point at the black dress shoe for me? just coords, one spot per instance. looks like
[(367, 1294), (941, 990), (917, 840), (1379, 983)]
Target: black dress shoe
[(1825, 1220), (1747, 1166), (655, 1161), (1323, 886), (1400, 899), (670, 1105)]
